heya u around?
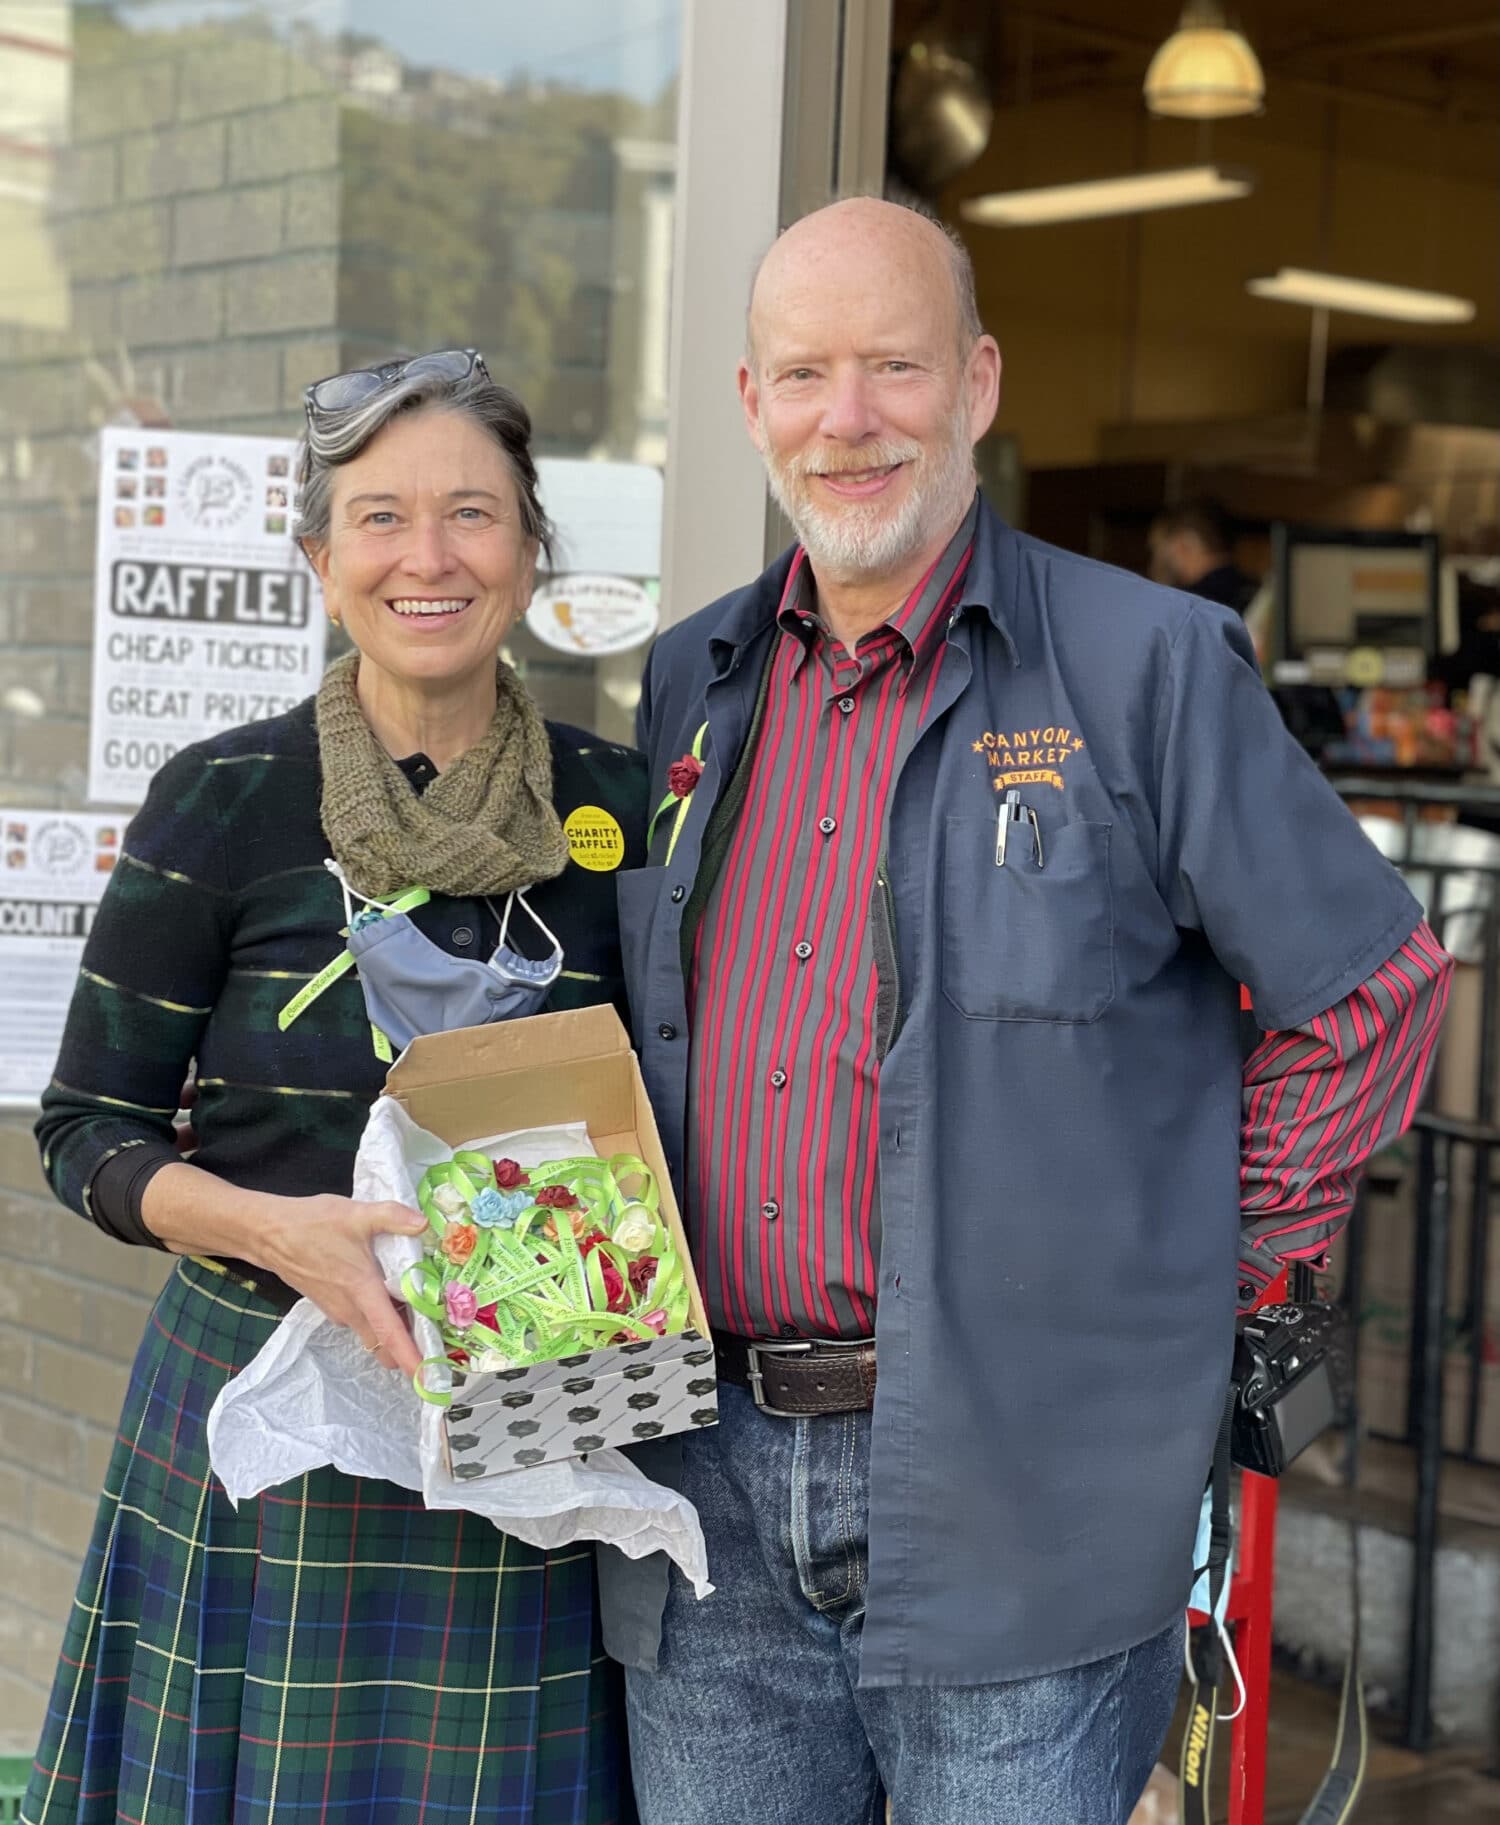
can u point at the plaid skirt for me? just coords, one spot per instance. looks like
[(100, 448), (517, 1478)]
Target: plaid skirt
[(332, 1652)]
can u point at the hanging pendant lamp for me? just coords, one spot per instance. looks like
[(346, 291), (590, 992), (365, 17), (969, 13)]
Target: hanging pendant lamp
[(1205, 71)]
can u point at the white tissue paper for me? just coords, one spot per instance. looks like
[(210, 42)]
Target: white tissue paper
[(314, 1396)]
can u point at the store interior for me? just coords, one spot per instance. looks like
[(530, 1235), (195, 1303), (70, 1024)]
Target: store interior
[(1272, 281), (1244, 268)]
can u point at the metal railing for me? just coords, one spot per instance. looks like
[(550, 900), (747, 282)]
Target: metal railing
[(1462, 896)]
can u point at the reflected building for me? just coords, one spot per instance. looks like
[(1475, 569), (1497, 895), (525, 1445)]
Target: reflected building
[(198, 219)]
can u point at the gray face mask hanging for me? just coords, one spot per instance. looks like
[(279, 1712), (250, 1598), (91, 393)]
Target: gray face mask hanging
[(412, 986)]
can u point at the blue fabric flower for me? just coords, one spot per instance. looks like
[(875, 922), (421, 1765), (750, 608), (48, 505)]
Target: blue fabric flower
[(494, 1209)]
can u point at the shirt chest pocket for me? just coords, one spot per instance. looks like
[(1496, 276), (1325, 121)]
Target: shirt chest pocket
[(1032, 940)]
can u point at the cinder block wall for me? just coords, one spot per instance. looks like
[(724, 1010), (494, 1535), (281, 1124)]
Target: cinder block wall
[(196, 217)]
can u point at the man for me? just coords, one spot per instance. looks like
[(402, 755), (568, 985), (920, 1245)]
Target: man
[(1192, 547), (967, 847)]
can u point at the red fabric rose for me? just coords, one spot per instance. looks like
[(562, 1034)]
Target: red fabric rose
[(642, 1273), (683, 775), (616, 1293), (557, 1197), (508, 1175), (486, 1315)]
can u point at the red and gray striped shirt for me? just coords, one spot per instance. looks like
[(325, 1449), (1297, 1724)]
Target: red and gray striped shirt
[(782, 1180)]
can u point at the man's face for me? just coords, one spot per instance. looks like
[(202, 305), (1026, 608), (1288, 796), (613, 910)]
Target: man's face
[(860, 399)]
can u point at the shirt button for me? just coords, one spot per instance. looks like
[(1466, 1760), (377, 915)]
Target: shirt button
[(770, 1210), (666, 1030), (677, 893), (846, 704), (462, 935), (828, 825), (802, 950), (778, 1080)]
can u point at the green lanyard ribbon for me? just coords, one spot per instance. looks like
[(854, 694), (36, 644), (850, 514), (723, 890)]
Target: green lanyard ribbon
[(544, 1296), (344, 962)]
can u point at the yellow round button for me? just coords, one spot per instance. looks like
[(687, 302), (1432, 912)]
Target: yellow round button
[(595, 840)]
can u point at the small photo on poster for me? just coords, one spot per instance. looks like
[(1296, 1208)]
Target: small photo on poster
[(127, 459), (156, 457), (155, 516), (125, 488), (155, 488), (125, 516), (278, 465)]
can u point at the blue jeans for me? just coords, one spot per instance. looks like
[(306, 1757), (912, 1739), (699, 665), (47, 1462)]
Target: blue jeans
[(756, 1717)]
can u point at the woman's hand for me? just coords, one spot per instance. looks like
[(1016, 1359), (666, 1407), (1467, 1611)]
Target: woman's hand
[(320, 1245), (323, 1246)]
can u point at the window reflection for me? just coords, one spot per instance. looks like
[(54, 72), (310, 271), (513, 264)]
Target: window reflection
[(202, 206)]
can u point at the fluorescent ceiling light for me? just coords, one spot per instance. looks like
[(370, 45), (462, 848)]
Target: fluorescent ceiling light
[(1362, 297), (1132, 195)]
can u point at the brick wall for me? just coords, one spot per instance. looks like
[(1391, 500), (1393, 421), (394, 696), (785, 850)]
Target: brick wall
[(195, 212)]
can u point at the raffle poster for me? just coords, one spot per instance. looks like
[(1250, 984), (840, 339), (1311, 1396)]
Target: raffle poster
[(205, 613)]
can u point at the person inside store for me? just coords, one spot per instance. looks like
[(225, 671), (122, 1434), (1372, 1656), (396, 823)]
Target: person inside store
[(1192, 548), (333, 1648), (968, 845)]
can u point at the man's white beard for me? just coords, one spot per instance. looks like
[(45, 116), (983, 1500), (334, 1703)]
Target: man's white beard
[(864, 538)]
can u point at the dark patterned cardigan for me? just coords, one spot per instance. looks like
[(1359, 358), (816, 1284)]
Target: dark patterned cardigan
[(218, 910)]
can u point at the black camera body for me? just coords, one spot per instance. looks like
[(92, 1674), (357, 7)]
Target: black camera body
[(1293, 1380)]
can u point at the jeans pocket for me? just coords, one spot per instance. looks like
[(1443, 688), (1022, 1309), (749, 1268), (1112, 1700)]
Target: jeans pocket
[(1033, 940)]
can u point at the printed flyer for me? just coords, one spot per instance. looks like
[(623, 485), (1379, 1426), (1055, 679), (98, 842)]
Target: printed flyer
[(205, 613), (53, 869)]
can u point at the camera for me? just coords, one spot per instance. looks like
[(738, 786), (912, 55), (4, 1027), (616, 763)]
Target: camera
[(1293, 1380)]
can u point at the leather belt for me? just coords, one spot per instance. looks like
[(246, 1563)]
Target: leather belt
[(798, 1380)]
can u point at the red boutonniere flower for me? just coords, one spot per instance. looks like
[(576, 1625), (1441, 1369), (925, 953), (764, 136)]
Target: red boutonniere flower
[(683, 775), (557, 1197), (508, 1175)]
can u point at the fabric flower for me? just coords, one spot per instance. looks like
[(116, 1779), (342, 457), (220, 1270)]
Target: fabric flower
[(461, 1304), (449, 1199), (486, 1315), (458, 1242), (508, 1175), (499, 1209), (657, 1320), (683, 775), (556, 1197), (577, 1221), (642, 1273), (635, 1229), (616, 1293)]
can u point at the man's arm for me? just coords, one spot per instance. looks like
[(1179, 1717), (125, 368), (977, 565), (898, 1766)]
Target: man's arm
[(1320, 1099)]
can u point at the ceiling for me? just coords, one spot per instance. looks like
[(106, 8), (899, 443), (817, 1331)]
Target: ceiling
[(1409, 56)]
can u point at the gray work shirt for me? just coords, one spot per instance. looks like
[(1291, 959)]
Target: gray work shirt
[(1060, 1100)]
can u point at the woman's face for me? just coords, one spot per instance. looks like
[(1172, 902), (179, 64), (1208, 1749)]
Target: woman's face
[(426, 563)]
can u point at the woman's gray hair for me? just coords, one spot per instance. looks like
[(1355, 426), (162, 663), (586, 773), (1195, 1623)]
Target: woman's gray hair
[(335, 438)]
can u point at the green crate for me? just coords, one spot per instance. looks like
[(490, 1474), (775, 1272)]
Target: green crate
[(15, 1771)]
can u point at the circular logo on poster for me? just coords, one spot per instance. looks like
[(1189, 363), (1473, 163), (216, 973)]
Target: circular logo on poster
[(592, 616), (215, 492), (60, 847)]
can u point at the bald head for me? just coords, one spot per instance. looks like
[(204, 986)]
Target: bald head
[(866, 241)]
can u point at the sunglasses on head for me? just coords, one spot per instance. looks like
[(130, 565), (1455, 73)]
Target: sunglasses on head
[(342, 392)]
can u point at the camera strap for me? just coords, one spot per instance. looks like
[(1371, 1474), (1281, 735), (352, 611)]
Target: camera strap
[(1206, 1660)]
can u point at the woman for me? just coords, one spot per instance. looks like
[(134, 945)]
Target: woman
[(332, 1651)]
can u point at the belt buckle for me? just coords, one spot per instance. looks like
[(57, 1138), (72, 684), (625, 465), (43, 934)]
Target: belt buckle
[(756, 1377)]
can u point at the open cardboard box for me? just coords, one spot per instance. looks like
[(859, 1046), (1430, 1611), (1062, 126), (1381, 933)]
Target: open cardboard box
[(539, 1072)]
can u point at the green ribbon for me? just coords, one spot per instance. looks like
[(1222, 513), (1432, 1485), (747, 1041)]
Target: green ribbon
[(550, 1299), (342, 964)]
